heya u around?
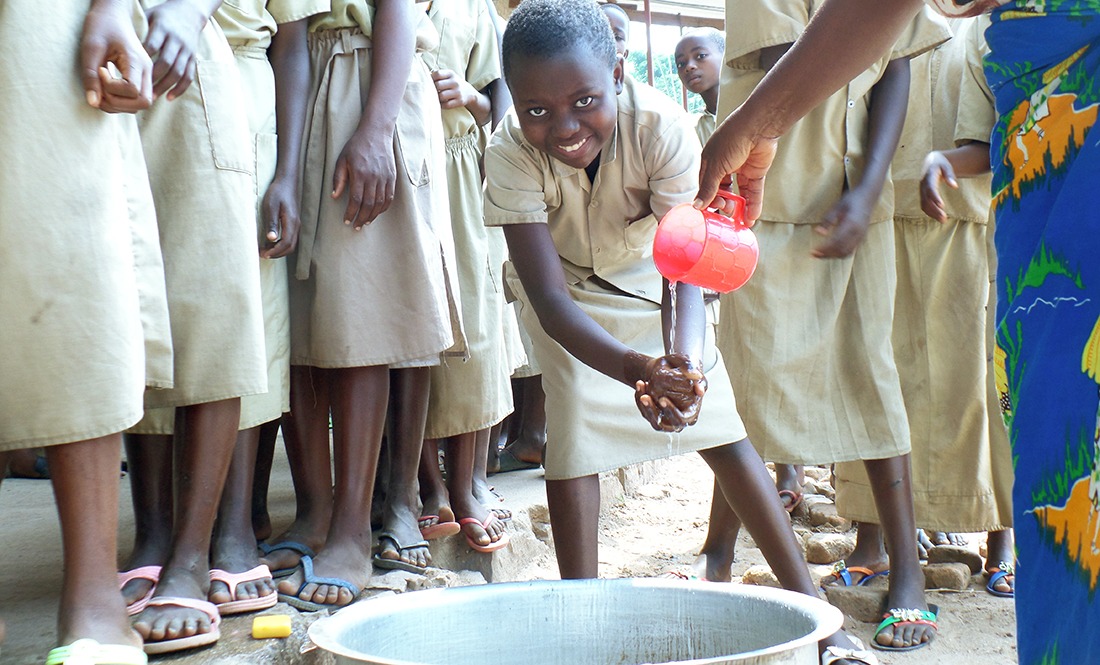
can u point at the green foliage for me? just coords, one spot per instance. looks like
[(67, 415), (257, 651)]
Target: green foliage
[(665, 78)]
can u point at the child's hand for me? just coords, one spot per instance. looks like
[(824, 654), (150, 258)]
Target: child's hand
[(454, 91), (367, 170), (109, 38), (174, 29), (281, 219), (845, 226), (936, 169), (671, 395)]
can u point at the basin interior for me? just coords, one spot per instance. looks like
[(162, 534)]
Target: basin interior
[(620, 622)]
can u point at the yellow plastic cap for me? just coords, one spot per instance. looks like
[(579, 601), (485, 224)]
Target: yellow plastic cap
[(277, 625)]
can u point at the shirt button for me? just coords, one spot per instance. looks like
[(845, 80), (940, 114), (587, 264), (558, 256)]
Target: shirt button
[(847, 160), (597, 250), (595, 204), (851, 103)]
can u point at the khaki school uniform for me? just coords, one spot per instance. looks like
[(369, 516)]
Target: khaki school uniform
[(248, 27), (705, 124), (85, 322), (960, 454), (603, 232), (475, 393), (384, 295), (201, 166), (811, 337)]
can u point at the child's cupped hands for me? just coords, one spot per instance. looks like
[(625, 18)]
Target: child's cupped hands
[(367, 171), (174, 28), (453, 90), (115, 70), (670, 396), (844, 226)]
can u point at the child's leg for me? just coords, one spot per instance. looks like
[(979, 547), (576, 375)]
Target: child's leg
[(575, 519), (482, 492), (306, 435), (409, 404), (893, 492), (433, 491), (261, 478), (530, 442), (359, 397), (788, 482), (1000, 548), (85, 483), (460, 453), (716, 556), (149, 459), (869, 553), (4, 457), (204, 438), (233, 548)]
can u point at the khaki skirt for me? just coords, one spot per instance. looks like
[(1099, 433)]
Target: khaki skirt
[(809, 339), (592, 423), (84, 317), (386, 294), (474, 393), (960, 456)]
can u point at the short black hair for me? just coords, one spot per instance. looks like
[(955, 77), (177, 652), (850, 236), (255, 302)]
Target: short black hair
[(715, 36), (545, 28), (614, 6)]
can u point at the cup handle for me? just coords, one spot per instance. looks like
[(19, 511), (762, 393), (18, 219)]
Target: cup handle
[(738, 215)]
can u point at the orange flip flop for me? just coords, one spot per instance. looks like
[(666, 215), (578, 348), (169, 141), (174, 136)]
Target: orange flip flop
[(491, 547)]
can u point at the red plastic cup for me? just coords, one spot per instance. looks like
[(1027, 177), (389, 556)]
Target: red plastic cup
[(705, 248)]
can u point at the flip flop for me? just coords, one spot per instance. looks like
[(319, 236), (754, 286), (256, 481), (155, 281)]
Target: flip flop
[(293, 546), (1004, 569), (902, 617), (309, 578), (861, 654), (243, 605), (491, 547), (842, 575), (509, 462), (193, 641), (397, 564), (149, 573), (89, 652), (430, 531), (795, 499)]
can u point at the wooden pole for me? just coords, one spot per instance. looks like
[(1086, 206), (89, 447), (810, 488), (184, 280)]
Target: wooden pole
[(648, 42)]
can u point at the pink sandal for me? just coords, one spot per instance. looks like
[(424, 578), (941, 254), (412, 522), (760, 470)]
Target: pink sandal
[(242, 605), (491, 547), (192, 641), (149, 573)]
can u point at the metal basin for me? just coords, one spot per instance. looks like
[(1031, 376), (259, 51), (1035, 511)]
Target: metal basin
[(582, 622)]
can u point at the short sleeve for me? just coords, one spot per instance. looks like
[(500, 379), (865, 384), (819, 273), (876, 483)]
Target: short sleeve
[(672, 162), (288, 11), (514, 183), (752, 25), (925, 32), (484, 64), (977, 113)]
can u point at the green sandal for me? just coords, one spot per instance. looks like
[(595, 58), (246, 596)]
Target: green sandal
[(897, 616), (90, 652)]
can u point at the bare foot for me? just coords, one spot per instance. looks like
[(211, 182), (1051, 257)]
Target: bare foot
[(485, 533), (158, 623), (942, 538), (714, 565), (283, 552), (401, 539), (907, 595)]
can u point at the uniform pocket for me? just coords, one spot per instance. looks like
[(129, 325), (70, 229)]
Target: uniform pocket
[(413, 137), (226, 123), (639, 234)]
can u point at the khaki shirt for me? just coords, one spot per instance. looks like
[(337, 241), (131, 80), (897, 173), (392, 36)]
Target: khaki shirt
[(346, 14), (468, 46), (705, 124), (604, 228), (251, 23), (947, 91), (824, 152)]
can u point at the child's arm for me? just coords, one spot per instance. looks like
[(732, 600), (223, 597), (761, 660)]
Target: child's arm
[(847, 222), (289, 57), (366, 167), (455, 92), (966, 161), (174, 28), (536, 261), (109, 37)]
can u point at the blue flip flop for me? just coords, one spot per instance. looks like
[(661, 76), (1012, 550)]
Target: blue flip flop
[(309, 578), (293, 546), (1004, 569)]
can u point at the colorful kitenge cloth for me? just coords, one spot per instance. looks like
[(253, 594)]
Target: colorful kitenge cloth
[(1046, 170)]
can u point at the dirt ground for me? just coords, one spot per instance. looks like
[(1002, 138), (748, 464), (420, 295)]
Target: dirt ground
[(653, 529)]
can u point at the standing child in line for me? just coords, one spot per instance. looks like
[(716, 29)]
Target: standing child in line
[(962, 466), (372, 299), (83, 287), (200, 161), (577, 175), (467, 395), (814, 335)]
